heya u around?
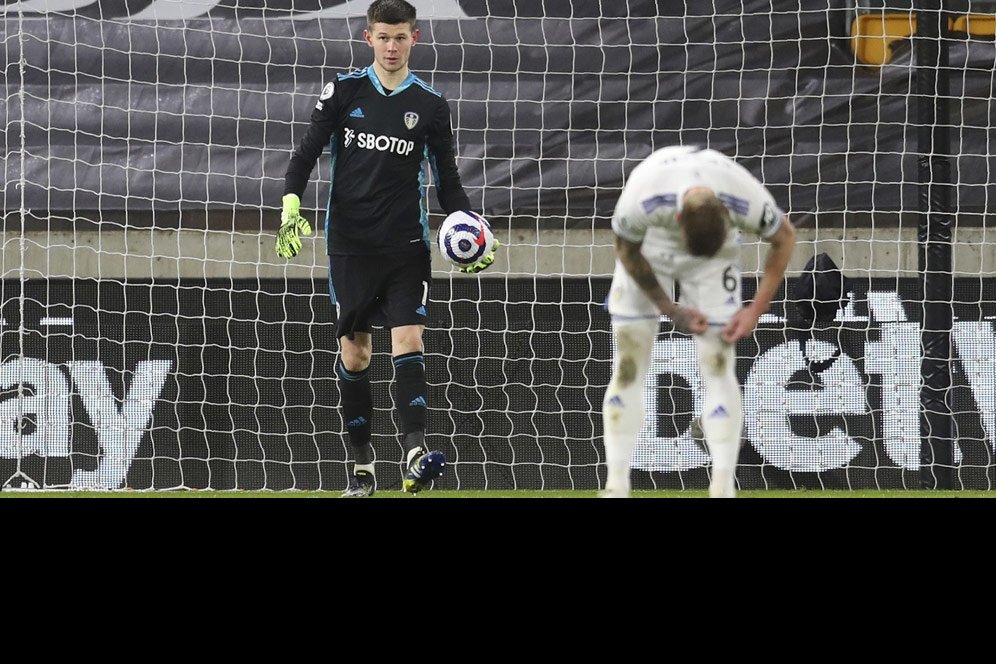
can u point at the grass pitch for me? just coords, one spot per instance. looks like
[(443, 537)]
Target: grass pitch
[(442, 494)]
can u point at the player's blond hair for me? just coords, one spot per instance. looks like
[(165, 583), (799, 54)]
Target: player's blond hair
[(705, 220)]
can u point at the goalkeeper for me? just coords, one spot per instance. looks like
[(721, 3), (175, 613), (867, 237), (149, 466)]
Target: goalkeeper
[(382, 124), (672, 224)]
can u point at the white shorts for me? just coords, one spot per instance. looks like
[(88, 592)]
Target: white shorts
[(712, 287)]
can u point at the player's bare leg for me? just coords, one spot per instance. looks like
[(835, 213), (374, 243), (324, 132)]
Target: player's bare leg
[(623, 408), (722, 411)]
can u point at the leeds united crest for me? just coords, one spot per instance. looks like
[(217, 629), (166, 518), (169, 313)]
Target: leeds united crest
[(411, 119)]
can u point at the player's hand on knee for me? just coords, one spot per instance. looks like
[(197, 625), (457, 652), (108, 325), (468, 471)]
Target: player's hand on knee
[(689, 320), (484, 263), (292, 226), (741, 325)]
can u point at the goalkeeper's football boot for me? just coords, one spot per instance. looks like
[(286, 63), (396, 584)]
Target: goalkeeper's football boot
[(422, 470), (361, 485)]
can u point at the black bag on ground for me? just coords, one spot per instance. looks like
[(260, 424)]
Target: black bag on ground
[(820, 291)]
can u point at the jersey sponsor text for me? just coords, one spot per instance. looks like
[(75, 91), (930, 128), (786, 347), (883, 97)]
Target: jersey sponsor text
[(384, 143)]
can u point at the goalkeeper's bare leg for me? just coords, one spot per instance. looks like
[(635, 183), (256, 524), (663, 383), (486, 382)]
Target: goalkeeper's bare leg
[(623, 408), (722, 411)]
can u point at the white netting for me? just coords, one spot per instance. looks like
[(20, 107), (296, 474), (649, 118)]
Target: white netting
[(151, 337)]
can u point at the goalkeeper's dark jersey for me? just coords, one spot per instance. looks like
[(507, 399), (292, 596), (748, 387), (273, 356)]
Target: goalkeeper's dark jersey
[(380, 142)]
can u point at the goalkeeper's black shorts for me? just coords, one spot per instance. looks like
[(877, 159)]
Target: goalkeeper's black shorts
[(379, 291)]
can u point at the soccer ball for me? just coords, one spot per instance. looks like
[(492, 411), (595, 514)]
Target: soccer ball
[(464, 238)]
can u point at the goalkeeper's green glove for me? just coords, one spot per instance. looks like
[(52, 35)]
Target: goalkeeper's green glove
[(484, 263), (292, 226)]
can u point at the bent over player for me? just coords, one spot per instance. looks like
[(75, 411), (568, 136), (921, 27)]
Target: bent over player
[(677, 220)]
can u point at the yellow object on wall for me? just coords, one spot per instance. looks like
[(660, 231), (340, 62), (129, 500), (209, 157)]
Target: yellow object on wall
[(873, 34), (977, 25)]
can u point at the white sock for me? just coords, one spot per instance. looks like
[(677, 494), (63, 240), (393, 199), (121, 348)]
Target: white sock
[(623, 408), (369, 467), (412, 453), (722, 412)]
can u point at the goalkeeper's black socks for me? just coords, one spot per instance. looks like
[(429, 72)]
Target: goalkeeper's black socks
[(409, 391), (357, 408), (414, 446)]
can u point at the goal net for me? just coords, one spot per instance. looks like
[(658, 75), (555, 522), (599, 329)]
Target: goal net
[(152, 339)]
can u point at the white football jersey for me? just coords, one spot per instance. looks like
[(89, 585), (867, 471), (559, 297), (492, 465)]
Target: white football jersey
[(653, 193)]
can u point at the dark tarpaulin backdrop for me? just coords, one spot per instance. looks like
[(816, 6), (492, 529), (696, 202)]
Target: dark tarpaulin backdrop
[(553, 103), (516, 372)]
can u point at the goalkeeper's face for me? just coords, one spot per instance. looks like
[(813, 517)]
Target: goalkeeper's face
[(392, 44)]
